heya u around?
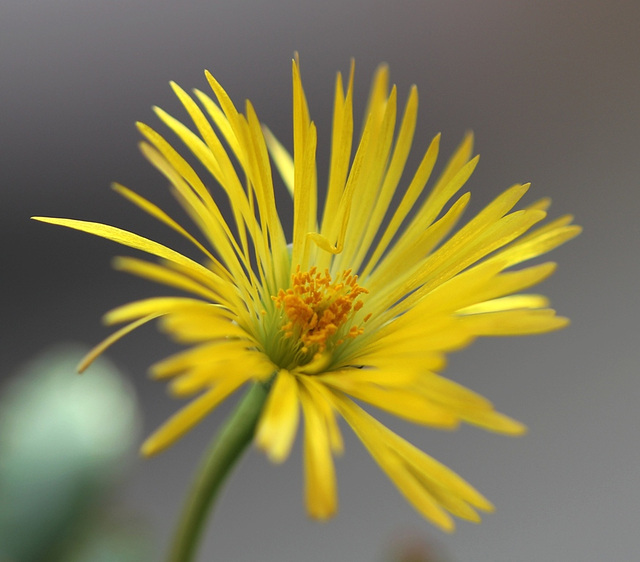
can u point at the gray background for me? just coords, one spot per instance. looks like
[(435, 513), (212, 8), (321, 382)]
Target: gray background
[(550, 89)]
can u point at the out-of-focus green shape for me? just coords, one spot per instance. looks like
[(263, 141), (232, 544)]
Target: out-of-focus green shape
[(64, 440), (110, 541)]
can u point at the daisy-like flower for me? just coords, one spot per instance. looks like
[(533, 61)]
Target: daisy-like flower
[(358, 305)]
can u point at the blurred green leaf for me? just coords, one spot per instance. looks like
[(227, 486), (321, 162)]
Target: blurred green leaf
[(64, 441)]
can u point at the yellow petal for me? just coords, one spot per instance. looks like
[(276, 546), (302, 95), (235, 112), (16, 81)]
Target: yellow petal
[(279, 420), (223, 366), (415, 490), (341, 141), (492, 421), (132, 240), (198, 355), (155, 305), (281, 158), (320, 478), (189, 416), (400, 402), (514, 322), (159, 214), (164, 275), (113, 338), (512, 302)]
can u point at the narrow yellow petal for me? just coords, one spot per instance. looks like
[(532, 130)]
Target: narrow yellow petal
[(398, 269), (416, 490), (132, 240), (177, 162), (113, 338), (371, 189), (432, 473), (428, 213), (279, 420), (193, 326), (466, 247), (323, 397), (203, 210), (221, 121), (188, 417), (536, 244), (452, 394), (341, 141), (493, 421), (159, 214), (451, 502), (400, 402), (387, 377), (378, 92), (154, 305), (458, 160), (417, 494), (223, 367), (512, 302), (320, 478), (420, 179), (514, 322), (164, 275), (281, 157), (199, 355)]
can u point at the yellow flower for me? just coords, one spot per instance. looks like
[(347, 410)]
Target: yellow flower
[(362, 305)]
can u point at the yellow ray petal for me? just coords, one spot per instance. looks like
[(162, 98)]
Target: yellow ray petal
[(416, 187), (220, 367), (154, 305), (320, 479), (514, 322), (159, 214), (431, 471), (450, 501), (536, 244), (221, 121), (458, 160), (400, 402), (415, 490), (279, 421), (189, 416), (492, 421), (113, 338), (465, 248), (512, 302), (387, 377), (372, 190), (195, 198), (133, 241), (341, 141), (164, 275), (481, 283), (450, 393), (202, 325), (323, 397), (400, 268), (199, 355), (427, 214), (281, 158)]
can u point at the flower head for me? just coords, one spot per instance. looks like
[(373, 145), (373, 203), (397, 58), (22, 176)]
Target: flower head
[(362, 305)]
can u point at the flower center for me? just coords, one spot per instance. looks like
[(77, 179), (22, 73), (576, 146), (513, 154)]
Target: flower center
[(318, 311)]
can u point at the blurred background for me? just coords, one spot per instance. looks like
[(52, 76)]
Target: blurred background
[(551, 91)]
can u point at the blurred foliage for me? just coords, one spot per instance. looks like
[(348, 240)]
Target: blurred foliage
[(65, 441)]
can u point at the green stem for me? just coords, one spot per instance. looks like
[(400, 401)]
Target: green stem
[(225, 450)]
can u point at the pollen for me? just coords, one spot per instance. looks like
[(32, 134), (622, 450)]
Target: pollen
[(318, 309)]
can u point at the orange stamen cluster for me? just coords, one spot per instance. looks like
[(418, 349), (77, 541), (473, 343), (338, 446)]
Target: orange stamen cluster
[(317, 307)]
